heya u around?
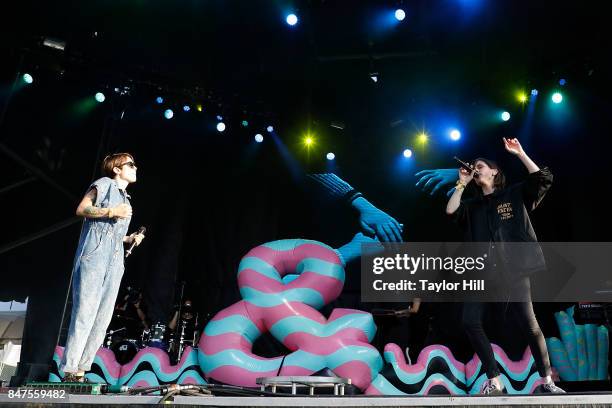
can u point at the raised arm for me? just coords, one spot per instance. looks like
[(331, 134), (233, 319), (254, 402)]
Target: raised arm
[(514, 147), (538, 181)]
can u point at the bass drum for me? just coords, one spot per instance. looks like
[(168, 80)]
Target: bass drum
[(157, 337), (125, 350)]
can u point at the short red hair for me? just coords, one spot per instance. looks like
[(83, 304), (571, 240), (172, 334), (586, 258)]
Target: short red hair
[(114, 160)]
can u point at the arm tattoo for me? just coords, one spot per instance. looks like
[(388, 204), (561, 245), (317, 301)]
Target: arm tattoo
[(95, 212)]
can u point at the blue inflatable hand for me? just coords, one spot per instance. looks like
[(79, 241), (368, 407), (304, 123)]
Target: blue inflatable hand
[(353, 250), (582, 352), (433, 180), (376, 222)]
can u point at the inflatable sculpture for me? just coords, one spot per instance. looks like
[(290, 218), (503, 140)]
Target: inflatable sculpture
[(582, 352), (283, 285)]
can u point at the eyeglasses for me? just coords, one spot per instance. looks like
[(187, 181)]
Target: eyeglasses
[(130, 163)]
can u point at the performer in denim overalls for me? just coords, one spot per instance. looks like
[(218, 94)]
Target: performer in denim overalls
[(98, 265)]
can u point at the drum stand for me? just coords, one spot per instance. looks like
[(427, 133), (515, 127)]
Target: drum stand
[(109, 337)]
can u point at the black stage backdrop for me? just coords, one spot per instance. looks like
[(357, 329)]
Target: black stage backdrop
[(206, 197)]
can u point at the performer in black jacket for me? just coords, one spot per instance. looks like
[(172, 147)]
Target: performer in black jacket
[(499, 215)]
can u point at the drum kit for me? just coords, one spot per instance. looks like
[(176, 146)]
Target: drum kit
[(126, 336)]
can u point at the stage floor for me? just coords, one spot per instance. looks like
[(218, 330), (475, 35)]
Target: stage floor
[(567, 400)]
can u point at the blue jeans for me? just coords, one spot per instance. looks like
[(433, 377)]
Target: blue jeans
[(95, 283)]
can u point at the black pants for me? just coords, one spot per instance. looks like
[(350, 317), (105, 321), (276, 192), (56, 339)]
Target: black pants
[(521, 312)]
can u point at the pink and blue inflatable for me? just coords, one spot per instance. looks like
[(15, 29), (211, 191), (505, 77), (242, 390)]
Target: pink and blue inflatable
[(283, 285)]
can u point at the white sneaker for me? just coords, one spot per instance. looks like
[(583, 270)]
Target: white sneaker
[(490, 387), (550, 388)]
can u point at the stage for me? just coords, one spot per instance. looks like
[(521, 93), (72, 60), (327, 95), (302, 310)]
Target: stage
[(304, 204), (568, 400)]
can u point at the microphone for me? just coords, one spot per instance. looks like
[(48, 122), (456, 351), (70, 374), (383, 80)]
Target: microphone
[(466, 165), (141, 230)]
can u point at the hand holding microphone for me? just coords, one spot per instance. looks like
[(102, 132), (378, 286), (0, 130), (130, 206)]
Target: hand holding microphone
[(464, 165), (137, 238), (466, 171)]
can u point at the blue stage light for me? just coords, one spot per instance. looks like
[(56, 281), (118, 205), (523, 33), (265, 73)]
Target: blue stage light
[(100, 97), (186, 108), (259, 138), (557, 97), (159, 100), (27, 78), (270, 129), (562, 82), (330, 156), (534, 92), (455, 134), (220, 126), (407, 153), (400, 14), (292, 19), (505, 116), (168, 113)]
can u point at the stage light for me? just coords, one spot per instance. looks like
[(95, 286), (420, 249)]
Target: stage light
[(422, 138), (505, 116), (407, 153), (270, 129), (400, 14), (100, 97), (220, 126), (259, 138), (534, 92), (309, 141), (337, 125), (186, 108), (168, 113), (292, 19), (374, 76), (27, 78), (557, 97), (562, 82), (330, 156), (455, 134), (199, 107), (522, 97), (54, 43), (219, 118), (159, 100), (245, 123)]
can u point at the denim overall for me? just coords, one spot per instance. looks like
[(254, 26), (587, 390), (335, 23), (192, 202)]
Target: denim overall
[(98, 268)]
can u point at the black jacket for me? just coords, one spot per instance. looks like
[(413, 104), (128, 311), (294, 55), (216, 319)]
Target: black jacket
[(503, 217)]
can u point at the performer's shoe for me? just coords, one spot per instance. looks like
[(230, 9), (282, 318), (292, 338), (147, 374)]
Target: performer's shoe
[(73, 378), (490, 387), (549, 388)]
